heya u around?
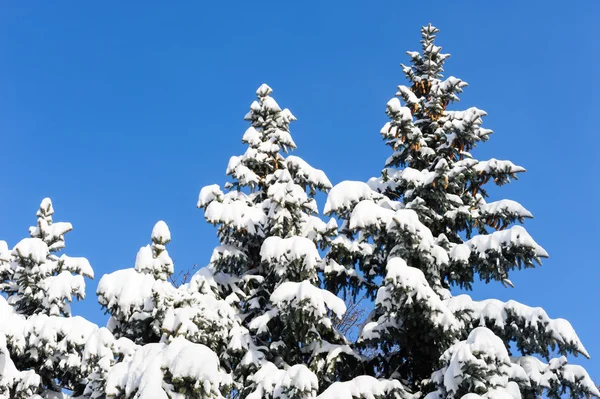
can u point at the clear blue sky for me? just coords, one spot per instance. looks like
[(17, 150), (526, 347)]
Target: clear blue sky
[(121, 113)]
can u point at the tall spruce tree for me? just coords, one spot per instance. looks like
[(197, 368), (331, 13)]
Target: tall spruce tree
[(268, 262), (425, 226)]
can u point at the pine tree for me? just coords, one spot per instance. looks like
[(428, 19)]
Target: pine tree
[(268, 263), (41, 345), (133, 297), (423, 227), (38, 281), (157, 332)]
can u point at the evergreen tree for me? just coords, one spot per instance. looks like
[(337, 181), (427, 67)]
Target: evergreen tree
[(41, 346), (37, 280), (157, 332), (133, 297), (425, 226), (268, 262)]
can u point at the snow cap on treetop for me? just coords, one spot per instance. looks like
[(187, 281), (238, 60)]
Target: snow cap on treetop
[(264, 90), (45, 207), (161, 233)]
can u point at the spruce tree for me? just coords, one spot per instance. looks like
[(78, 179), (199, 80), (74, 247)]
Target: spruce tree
[(425, 226), (131, 296), (268, 262), (39, 281), (161, 341), (41, 345)]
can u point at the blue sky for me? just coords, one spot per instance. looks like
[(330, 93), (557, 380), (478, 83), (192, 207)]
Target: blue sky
[(122, 112)]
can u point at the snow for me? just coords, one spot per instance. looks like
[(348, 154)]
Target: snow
[(537, 371), (49, 283), (352, 246), (398, 111), (4, 252), (161, 233), (32, 248), (100, 345), (576, 374), (237, 214), (363, 387), (52, 232), (193, 366), (564, 332), (332, 268), (394, 105), (76, 265), (501, 313), (413, 285), (253, 357), (295, 382), (12, 325), (46, 207), (208, 194), (147, 261), (345, 195), (505, 207), (240, 171), (460, 253), (126, 291), (415, 177), (334, 351), (289, 193), (251, 136), (263, 90), (60, 287), (407, 94), (203, 319), (26, 382), (277, 140), (226, 252), (494, 166), (481, 350), (270, 104), (496, 241), (315, 229), (407, 221), (58, 336), (260, 323), (368, 214), (302, 170), (454, 199), (282, 251), (545, 375), (305, 293), (484, 340)]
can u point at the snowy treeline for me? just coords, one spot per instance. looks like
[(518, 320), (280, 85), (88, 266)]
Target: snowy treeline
[(260, 320)]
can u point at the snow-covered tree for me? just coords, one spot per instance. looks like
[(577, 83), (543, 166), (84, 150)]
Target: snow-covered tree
[(41, 346), (161, 340), (268, 262), (425, 226), (36, 280), (134, 297)]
